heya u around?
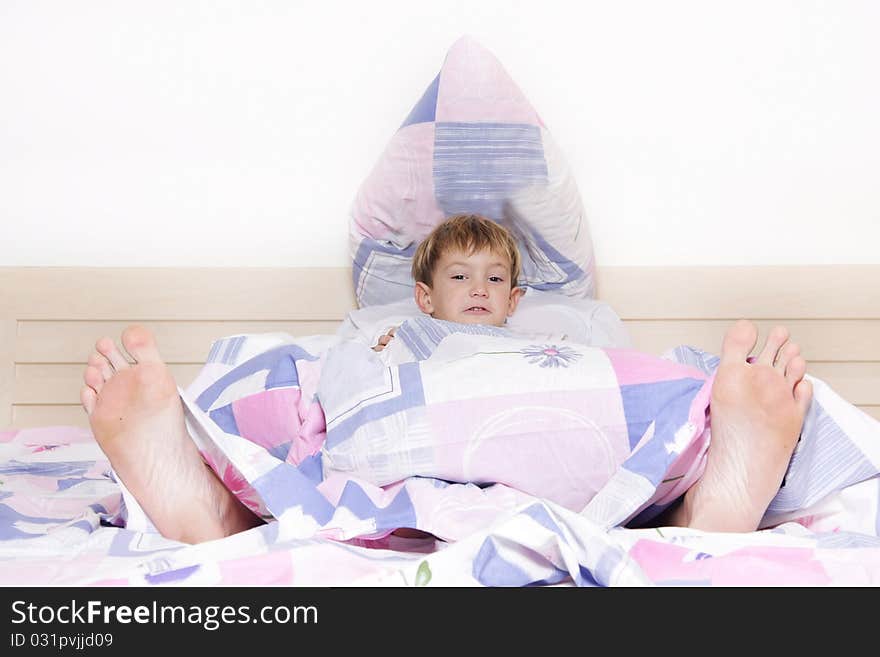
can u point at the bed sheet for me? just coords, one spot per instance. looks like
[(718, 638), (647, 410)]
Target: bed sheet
[(64, 520)]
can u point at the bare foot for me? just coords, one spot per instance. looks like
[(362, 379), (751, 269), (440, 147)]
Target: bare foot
[(757, 412), (137, 418)]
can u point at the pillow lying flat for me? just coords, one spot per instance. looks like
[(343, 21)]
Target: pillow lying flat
[(473, 144), (553, 420), (585, 321)]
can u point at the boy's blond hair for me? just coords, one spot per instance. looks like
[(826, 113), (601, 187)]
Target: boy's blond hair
[(467, 233)]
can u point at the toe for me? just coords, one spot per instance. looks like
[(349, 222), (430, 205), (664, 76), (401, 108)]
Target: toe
[(777, 337), (789, 352), (140, 343), (739, 341), (107, 348), (101, 364), (795, 370), (803, 395), (88, 397), (94, 378)]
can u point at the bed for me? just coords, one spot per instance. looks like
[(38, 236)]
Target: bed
[(392, 447), (59, 501)]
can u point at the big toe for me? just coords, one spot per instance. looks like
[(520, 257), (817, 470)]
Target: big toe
[(803, 395), (141, 344), (739, 341)]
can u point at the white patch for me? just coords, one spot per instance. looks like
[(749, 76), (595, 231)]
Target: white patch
[(683, 438), (293, 524)]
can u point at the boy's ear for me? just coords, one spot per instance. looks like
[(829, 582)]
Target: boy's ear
[(423, 298), (515, 295)]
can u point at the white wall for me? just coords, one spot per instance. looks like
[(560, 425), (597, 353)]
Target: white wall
[(236, 133)]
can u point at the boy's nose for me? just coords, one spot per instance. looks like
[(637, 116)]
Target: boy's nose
[(478, 291)]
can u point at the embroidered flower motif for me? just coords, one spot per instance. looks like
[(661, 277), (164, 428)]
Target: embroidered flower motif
[(547, 355)]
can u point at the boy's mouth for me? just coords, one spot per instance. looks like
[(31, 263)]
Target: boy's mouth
[(479, 310)]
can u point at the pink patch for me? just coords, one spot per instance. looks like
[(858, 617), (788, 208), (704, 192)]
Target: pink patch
[(50, 435), (273, 569), (634, 367), (7, 436), (750, 566), (474, 87), (502, 440), (269, 418), (311, 435), (110, 582), (397, 202)]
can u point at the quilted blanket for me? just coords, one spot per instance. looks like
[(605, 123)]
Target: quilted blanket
[(526, 463)]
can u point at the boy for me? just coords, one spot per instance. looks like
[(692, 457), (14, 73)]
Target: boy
[(465, 271)]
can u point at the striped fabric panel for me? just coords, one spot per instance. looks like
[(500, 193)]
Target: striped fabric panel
[(477, 166), (226, 350), (841, 540), (422, 335), (825, 460)]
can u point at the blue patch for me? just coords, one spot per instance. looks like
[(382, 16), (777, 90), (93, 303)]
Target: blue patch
[(64, 484), (585, 577), (283, 373), (285, 487), (224, 418), (397, 271), (490, 569), (85, 525), (478, 166), (558, 576), (312, 468), (281, 451), (9, 517), (276, 361), (400, 513), (667, 403), (538, 513), (426, 109), (56, 470), (172, 575), (569, 268)]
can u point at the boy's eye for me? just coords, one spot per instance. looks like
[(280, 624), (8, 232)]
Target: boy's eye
[(496, 279), (458, 277)]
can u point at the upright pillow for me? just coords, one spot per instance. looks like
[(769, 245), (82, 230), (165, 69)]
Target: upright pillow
[(474, 144)]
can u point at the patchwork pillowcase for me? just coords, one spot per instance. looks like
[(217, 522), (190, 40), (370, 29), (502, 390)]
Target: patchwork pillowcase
[(471, 144)]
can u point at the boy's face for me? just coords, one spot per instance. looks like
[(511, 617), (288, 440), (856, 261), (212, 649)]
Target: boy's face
[(470, 289)]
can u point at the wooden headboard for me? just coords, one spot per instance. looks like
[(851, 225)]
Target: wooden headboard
[(50, 318)]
